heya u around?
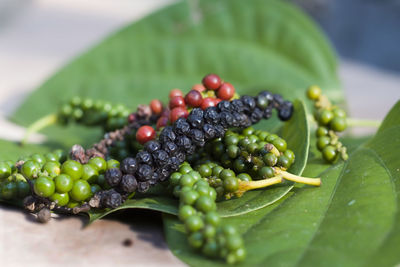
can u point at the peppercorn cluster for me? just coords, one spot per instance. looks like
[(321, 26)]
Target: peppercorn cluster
[(52, 181), (331, 120), (197, 210), (159, 158), (90, 112)]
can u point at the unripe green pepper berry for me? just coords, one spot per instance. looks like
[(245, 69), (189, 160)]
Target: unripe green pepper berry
[(338, 124), (72, 168), (322, 131), (5, 170), (51, 168), (270, 159), (30, 169), (325, 116), (63, 183), (9, 190), (90, 173), (99, 163), (23, 189), (61, 199), (44, 187), (329, 153), (205, 204), (80, 190), (323, 141), (194, 223), (231, 184), (313, 92)]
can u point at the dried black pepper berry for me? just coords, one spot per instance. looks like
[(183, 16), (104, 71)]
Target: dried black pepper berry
[(160, 157), (167, 134), (112, 199), (170, 147), (129, 166), (181, 126), (128, 183), (209, 131), (195, 121), (211, 115), (144, 157), (152, 146), (143, 187), (113, 176), (144, 172)]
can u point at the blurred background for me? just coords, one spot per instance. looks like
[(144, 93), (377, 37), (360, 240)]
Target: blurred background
[(38, 37)]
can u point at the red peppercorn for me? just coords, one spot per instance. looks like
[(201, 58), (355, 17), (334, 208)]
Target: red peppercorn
[(198, 87), (162, 122), (208, 102), (178, 112), (194, 98), (217, 100), (156, 106), (145, 134), (175, 92), (212, 81), (176, 101), (226, 91)]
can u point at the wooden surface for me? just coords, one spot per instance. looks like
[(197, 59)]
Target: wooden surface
[(64, 241)]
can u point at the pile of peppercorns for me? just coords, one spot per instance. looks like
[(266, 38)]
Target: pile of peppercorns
[(331, 120), (155, 141)]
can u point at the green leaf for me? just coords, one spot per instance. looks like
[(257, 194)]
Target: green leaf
[(13, 151), (252, 200), (254, 44), (163, 204), (353, 219)]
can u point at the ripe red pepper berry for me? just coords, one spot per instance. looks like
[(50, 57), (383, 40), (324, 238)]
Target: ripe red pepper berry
[(178, 112), (175, 92), (176, 101), (156, 106), (198, 87), (226, 91), (212, 81), (194, 98), (145, 134), (162, 122), (208, 102)]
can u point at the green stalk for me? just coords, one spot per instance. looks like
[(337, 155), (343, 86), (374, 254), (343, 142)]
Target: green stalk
[(39, 125), (299, 179), (363, 122), (250, 185)]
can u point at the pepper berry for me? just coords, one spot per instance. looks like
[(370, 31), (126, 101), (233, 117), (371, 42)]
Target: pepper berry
[(156, 106), (198, 87), (145, 134), (212, 81), (226, 91), (177, 113), (175, 92), (194, 98), (176, 101), (208, 102)]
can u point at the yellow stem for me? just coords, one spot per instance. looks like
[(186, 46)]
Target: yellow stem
[(250, 185), (299, 179)]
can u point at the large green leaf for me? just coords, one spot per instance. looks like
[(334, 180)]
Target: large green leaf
[(253, 44), (253, 200), (352, 220)]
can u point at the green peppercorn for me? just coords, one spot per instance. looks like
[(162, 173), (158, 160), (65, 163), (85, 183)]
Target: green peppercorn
[(270, 159), (338, 124), (322, 131), (323, 141)]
